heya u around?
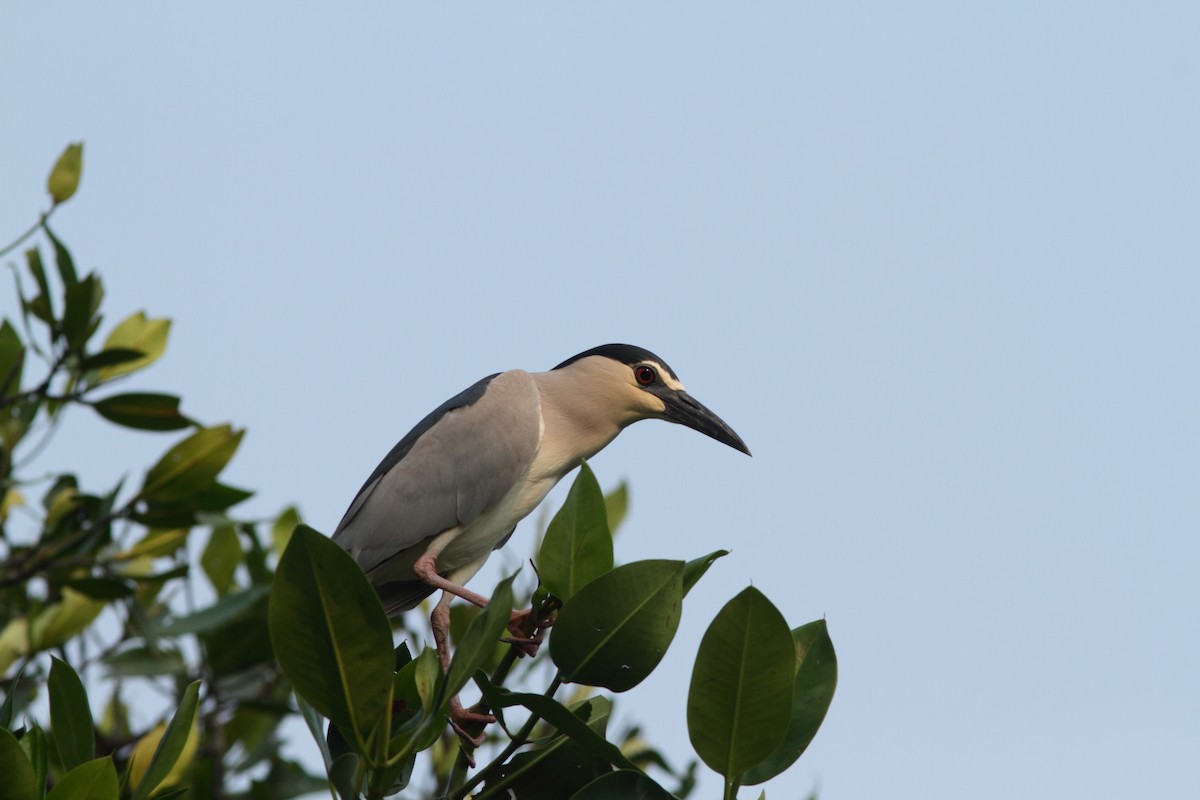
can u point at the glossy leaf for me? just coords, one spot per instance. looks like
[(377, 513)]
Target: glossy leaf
[(136, 332), (191, 465), (20, 782), (331, 634), (615, 630), (480, 639), (172, 745), (221, 557), (813, 688), (224, 611), (557, 715), (70, 716), (147, 411), (559, 767), (623, 785), (578, 547), (694, 570), (739, 703), (64, 177), (93, 780)]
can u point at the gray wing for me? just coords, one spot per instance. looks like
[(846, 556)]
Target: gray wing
[(454, 465)]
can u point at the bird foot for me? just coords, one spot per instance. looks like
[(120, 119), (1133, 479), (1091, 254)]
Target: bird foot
[(519, 625), (460, 719)]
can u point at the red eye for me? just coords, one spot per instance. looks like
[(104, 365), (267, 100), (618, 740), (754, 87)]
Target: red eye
[(645, 375)]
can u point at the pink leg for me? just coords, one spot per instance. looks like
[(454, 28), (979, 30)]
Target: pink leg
[(460, 717), (426, 569)]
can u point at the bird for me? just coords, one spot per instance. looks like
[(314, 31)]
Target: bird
[(454, 488)]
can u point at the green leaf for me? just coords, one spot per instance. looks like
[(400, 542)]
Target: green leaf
[(694, 570), (41, 306), (136, 332), (63, 260), (141, 662), (61, 621), (480, 639), (9, 705), (315, 723), (559, 767), (191, 465), (145, 411), (615, 630), (109, 358), (281, 529), (557, 715), (218, 497), (94, 780), (221, 557), (813, 688), (740, 698), (331, 634), (623, 785), (343, 776), (221, 613), (33, 743), (100, 588), (578, 547), (12, 360), (172, 743), (616, 504), (20, 782), (70, 716), (64, 178)]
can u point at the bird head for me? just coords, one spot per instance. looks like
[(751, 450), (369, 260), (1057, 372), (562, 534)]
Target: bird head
[(640, 385)]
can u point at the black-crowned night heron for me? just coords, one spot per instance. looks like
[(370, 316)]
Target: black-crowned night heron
[(455, 487)]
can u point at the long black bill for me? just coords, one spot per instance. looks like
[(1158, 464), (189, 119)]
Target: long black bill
[(687, 410)]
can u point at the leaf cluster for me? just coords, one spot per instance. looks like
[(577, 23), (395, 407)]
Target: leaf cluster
[(171, 639)]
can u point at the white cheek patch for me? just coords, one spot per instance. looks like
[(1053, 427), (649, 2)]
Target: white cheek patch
[(665, 376)]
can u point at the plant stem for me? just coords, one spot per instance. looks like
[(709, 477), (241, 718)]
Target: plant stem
[(517, 742), (34, 228)]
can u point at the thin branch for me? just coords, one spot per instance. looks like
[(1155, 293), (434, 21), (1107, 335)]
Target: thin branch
[(34, 228), (517, 742)]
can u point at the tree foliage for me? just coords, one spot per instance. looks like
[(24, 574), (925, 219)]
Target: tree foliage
[(153, 642)]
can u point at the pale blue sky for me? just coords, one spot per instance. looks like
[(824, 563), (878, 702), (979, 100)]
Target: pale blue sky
[(938, 263)]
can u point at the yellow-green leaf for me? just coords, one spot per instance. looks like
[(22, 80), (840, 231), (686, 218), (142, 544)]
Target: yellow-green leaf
[(61, 621), (136, 332), (155, 543), (221, 557), (281, 529), (162, 757), (64, 178), (92, 780), (191, 465)]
